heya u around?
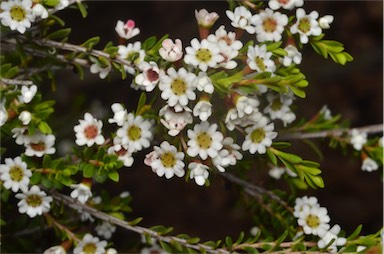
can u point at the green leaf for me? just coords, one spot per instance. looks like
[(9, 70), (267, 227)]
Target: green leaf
[(114, 176), (272, 157), (79, 70), (149, 43), (51, 3), (82, 9), (228, 242), (297, 91), (135, 221), (89, 171), (118, 215), (44, 128), (193, 240), (60, 34), (166, 247), (91, 42), (250, 249), (355, 233), (35, 178)]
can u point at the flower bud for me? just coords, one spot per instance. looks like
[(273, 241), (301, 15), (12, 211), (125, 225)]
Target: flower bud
[(25, 117)]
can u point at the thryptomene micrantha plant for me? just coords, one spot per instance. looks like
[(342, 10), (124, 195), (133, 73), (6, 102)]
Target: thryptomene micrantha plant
[(222, 105)]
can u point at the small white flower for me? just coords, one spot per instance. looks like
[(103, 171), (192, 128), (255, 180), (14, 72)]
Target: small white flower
[(325, 112), (177, 87), (278, 107), (124, 194), (259, 137), (203, 54), (58, 249), (242, 18), (294, 55), (111, 251), (21, 135), (34, 202), (40, 11), (39, 144), (314, 220), (97, 67), (135, 134), (259, 59), (203, 109), (62, 5), (88, 131), (228, 155), (122, 154), (3, 113), (205, 19), (175, 121), (331, 235), (27, 94), (306, 25), (325, 21), (276, 172), (25, 117), (171, 51), (167, 161), (90, 244), (203, 83), (358, 139), (246, 105), (81, 191), (269, 25), (304, 201), (120, 114), (133, 54), (149, 76), (14, 174), (204, 140), (369, 165), (286, 4), (153, 249), (232, 119), (127, 30), (199, 172), (254, 231), (17, 14), (105, 229)]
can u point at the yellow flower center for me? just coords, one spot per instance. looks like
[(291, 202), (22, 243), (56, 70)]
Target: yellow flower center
[(16, 174), (204, 140), (178, 87), (89, 248), (269, 25), (17, 13), (34, 200), (257, 135), (168, 160), (203, 55), (304, 25), (276, 104), (313, 221), (134, 133), (260, 63)]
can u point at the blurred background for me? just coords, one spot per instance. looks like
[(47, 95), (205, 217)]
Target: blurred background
[(355, 91)]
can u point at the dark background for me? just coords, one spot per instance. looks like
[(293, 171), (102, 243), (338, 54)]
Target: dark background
[(351, 196)]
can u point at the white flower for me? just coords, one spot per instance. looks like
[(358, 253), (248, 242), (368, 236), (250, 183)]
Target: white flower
[(304, 201), (331, 235), (136, 133), (111, 251), (232, 119), (358, 139), (276, 172), (122, 154), (21, 135), (246, 105), (177, 88), (325, 21), (171, 51), (133, 54), (206, 19), (96, 67), (314, 220), (369, 165), (325, 112), (58, 249), (202, 54), (124, 194), (40, 11), (199, 172), (154, 249), (34, 202), (149, 76), (259, 59), (127, 30), (14, 174), (254, 231), (242, 18), (27, 94), (175, 121), (203, 83), (39, 144), (228, 155), (105, 229), (3, 113), (286, 4), (269, 25), (90, 244), (120, 114), (81, 191), (17, 14), (62, 5), (306, 25), (204, 140), (259, 137), (25, 117), (88, 131), (203, 109), (294, 55), (278, 107), (167, 161)]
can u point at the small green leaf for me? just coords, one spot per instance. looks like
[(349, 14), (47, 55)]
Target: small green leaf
[(114, 176), (135, 221), (51, 3), (272, 157), (82, 8), (35, 178), (91, 42), (355, 233), (44, 128), (228, 242), (60, 34), (89, 171), (149, 43)]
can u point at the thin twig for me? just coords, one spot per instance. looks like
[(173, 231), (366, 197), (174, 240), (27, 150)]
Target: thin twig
[(68, 201), (370, 129), (8, 81)]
